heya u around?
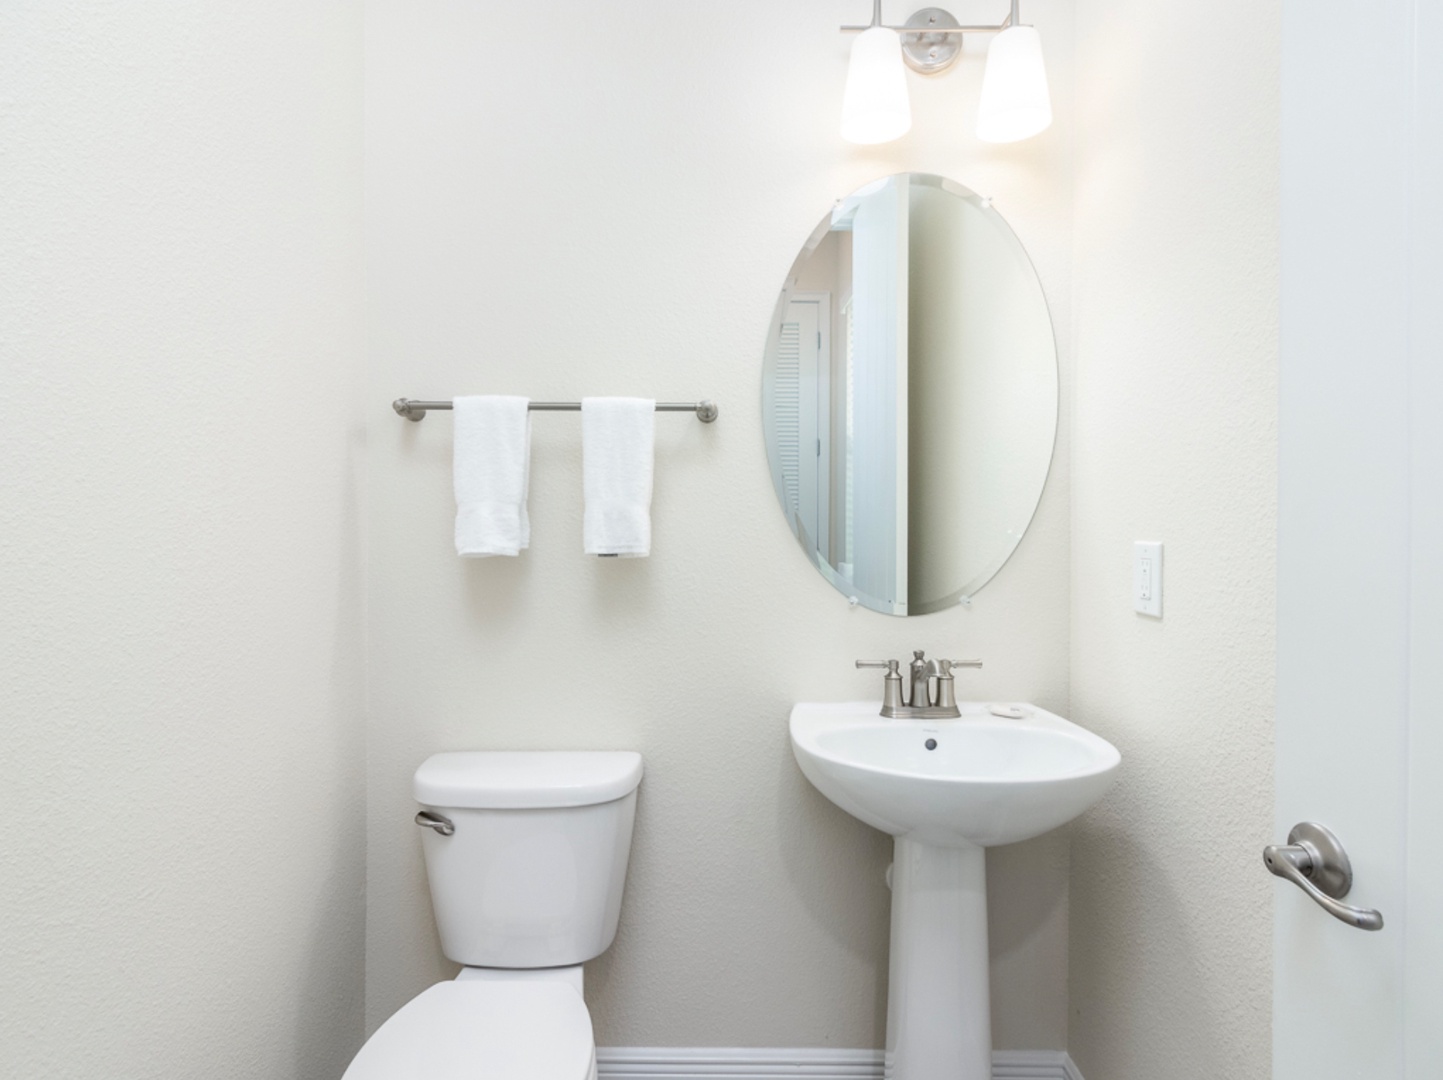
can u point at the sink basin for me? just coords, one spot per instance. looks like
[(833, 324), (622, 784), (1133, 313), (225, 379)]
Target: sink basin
[(946, 789), (987, 780)]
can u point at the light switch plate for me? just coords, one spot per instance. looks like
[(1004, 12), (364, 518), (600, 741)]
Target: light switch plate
[(1147, 578)]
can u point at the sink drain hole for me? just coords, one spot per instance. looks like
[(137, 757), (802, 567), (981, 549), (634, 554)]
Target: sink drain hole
[(930, 744)]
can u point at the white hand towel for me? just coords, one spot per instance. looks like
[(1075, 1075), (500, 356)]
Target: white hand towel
[(491, 471), (616, 463)]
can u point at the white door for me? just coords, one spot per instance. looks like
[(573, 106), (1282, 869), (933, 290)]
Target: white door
[(803, 420), (1360, 547)]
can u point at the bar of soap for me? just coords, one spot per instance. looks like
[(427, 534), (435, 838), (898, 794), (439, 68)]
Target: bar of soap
[(1007, 712)]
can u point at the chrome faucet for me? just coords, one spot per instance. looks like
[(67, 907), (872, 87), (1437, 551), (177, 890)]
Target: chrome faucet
[(923, 703)]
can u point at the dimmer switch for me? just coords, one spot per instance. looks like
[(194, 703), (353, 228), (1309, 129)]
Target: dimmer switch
[(1147, 578)]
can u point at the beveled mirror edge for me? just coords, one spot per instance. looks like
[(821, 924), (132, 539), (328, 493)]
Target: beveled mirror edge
[(859, 597)]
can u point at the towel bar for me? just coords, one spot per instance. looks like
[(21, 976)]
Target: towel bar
[(706, 411)]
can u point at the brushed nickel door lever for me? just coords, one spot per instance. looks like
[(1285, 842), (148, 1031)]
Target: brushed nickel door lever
[(1314, 860)]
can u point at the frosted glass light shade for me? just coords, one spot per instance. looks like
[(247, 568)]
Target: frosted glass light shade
[(875, 108), (1015, 103)]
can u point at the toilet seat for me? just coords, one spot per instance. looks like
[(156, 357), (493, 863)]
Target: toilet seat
[(483, 1031)]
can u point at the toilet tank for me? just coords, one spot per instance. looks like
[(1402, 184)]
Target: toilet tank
[(532, 876)]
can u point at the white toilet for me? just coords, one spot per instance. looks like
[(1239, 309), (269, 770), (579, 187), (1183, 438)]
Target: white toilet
[(526, 855)]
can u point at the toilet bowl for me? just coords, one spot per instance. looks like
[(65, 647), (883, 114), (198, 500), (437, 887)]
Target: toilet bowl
[(526, 856), (468, 1030)]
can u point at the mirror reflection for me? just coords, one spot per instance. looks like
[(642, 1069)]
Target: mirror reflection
[(909, 394)]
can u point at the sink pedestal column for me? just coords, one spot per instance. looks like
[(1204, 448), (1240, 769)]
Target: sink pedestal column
[(939, 1018)]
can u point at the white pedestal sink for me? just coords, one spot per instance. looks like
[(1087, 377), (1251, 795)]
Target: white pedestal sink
[(946, 789)]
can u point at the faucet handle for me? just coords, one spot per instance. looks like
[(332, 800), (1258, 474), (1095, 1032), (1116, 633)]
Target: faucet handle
[(891, 684), (946, 695), (948, 665), (892, 666)]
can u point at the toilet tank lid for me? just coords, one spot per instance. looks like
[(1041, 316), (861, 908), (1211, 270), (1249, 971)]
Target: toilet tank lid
[(526, 779)]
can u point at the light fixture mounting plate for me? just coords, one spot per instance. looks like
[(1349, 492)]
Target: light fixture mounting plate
[(930, 53)]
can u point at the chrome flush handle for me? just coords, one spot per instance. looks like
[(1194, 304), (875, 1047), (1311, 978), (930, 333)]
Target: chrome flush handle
[(443, 825), (1314, 860)]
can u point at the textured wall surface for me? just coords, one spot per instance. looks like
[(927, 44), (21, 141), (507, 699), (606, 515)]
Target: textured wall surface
[(1174, 420), (181, 836), (612, 211)]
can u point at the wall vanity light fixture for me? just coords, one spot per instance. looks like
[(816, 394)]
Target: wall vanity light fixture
[(1014, 105)]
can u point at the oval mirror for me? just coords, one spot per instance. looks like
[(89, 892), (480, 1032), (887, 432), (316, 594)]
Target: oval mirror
[(909, 394)]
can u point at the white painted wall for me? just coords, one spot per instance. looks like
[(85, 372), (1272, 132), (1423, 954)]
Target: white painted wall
[(1174, 439), (181, 812), (612, 210)]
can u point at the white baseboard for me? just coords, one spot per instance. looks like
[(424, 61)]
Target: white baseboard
[(1033, 1065), (744, 1063)]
